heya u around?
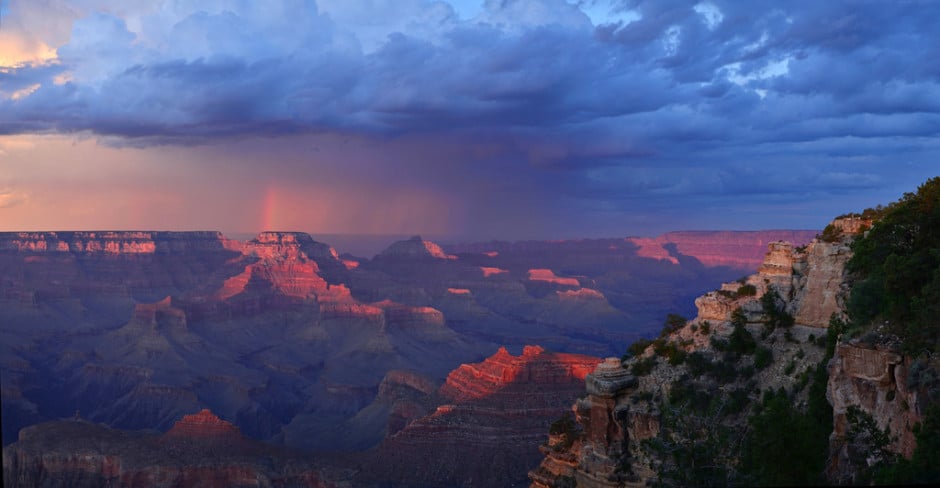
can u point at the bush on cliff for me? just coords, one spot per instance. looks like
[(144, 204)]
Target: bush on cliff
[(773, 309), (780, 431), (747, 290), (643, 366), (898, 265), (673, 323), (637, 348), (567, 427), (780, 428), (739, 342), (695, 446), (762, 358), (830, 234)]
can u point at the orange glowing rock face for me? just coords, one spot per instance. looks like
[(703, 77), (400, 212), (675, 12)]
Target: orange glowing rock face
[(335, 294), (487, 271), (502, 370), (282, 264), (719, 248), (652, 249), (549, 276), (85, 242), (350, 264), (492, 254), (234, 285), (458, 291), (580, 294), (204, 424), (151, 313), (114, 242), (436, 251), (299, 280)]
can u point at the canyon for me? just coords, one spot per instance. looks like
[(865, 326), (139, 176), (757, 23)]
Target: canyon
[(675, 411), (199, 450), (297, 345)]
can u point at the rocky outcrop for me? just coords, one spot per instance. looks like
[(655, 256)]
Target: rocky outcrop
[(290, 265), (488, 431), (822, 284), (107, 242), (202, 451), (163, 311), (534, 367), (44, 267), (740, 249), (205, 424), (811, 280), (594, 459), (414, 248), (408, 395), (620, 411), (743, 250), (548, 276), (873, 377)]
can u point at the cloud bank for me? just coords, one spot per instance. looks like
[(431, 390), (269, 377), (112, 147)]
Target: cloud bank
[(619, 111)]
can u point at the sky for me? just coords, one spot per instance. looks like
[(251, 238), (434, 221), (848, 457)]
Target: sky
[(509, 119)]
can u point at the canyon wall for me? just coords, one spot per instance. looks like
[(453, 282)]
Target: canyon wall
[(200, 450), (488, 428), (633, 405)]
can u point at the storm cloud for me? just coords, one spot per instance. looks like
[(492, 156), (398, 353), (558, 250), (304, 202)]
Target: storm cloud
[(598, 113)]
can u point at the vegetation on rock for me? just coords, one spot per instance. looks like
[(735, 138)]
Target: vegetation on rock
[(898, 265)]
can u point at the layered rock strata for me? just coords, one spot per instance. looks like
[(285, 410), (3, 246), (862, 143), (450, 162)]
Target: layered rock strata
[(620, 411), (201, 450), (488, 431), (875, 378)]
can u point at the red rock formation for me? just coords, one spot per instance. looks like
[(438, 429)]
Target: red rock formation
[(286, 266), (204, 424), (160, 312), (501, 370), (129, 242), (652, 248), (79, 454), (738, 249), (581, 294), (414, 248), (549, 276), (489, 271), (489, 431)]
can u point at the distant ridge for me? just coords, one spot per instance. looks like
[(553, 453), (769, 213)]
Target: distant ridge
[(737, 249)]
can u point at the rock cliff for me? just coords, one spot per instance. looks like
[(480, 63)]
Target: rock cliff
[(872, 377), (204, 425), (200, 450), (488, 430), (641, 420), (115, 242), (414, 248)]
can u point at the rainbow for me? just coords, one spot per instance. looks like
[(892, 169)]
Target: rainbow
[(269, 209)]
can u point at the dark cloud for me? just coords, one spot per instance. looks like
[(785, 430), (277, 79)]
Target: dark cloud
[(755, 101)]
